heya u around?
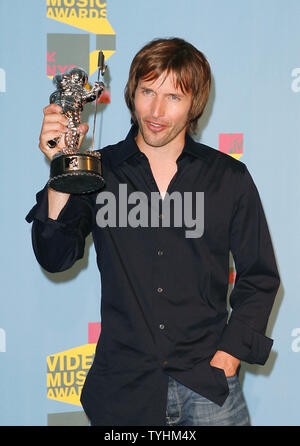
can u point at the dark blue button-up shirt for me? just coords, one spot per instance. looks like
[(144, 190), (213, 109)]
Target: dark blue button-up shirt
[(164, 285)]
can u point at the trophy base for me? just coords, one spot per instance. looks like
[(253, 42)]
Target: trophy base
[(77, 173)]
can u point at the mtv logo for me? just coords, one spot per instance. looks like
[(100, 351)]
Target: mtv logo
[(65, 51), (232, 144), (68, 419)]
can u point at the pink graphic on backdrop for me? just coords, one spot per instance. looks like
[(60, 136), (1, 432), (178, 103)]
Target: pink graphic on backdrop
[(232, 144), (94, 330)]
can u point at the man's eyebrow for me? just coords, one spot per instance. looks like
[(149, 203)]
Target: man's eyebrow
[(145, 86), (178, 93)]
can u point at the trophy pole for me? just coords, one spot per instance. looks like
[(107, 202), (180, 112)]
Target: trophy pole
[(101, 70)]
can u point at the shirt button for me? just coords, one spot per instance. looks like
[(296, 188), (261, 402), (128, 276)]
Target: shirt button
[(160, 252), (161, 326), (159, 290), (165, 363)]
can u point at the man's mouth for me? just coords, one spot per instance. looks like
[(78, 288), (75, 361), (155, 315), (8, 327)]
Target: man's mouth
[(155, 126)]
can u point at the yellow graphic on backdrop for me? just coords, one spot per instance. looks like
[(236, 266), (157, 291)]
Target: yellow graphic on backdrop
[(87, 15), (66, 373)]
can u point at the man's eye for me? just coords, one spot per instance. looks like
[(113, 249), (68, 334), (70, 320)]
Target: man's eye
[(174, 97), (145, 91)]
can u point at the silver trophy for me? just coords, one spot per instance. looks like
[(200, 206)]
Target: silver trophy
[(72, 171)]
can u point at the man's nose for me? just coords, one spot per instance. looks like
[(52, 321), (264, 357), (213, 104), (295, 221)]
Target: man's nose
[(158, 107)]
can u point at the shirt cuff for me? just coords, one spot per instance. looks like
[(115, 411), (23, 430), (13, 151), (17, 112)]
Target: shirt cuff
[(244, 343), (39, 212)]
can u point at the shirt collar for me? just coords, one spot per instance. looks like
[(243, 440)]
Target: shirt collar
[(130, 147)]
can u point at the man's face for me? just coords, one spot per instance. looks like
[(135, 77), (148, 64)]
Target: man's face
[(162, 112)]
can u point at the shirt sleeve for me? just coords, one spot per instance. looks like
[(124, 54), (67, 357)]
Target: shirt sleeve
[(257, 279), (57, 244)]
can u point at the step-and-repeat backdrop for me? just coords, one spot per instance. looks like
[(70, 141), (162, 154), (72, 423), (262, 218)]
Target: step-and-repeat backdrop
[(50, 323)]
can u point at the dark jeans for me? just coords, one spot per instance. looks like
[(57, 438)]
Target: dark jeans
[(187, 408)]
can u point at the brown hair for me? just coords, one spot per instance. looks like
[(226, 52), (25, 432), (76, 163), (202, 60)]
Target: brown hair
[(176, 56)]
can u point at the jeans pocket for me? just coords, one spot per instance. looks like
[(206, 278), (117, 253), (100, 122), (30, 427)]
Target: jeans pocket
[(233, 381), (230, 378)]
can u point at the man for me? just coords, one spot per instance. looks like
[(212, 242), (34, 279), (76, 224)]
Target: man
[(167, 353)]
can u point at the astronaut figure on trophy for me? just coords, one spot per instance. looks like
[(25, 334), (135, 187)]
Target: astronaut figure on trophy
[(72, 171), (72, 95)]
